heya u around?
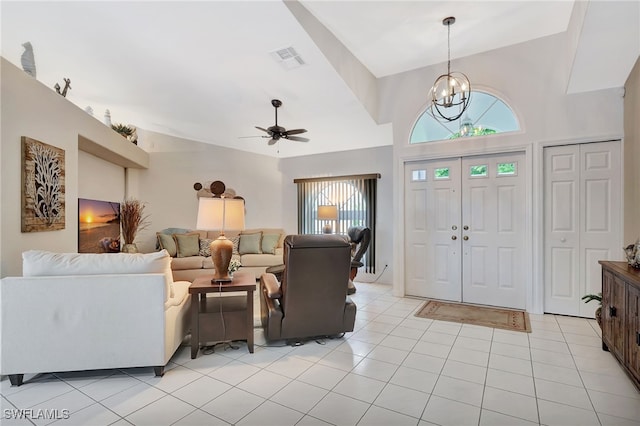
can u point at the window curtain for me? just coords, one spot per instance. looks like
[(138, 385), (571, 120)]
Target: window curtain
[(356, 199)]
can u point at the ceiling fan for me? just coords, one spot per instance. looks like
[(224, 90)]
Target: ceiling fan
[(276, 132)]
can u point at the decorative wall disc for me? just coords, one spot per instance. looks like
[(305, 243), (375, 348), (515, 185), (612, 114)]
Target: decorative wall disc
[(217, 188)]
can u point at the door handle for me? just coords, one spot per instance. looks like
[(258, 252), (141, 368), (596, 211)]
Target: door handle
[(637, 338), (453, 237), (612, 311), (454, 227), (466, 237), (466, 228)]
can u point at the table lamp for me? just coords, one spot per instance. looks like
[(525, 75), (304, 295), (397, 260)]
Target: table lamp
[(329, 213), (220, 214)]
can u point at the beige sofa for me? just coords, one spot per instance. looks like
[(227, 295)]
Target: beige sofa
[(257, 249)]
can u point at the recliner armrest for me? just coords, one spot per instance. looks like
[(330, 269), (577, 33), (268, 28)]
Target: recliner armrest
[(271, 285)]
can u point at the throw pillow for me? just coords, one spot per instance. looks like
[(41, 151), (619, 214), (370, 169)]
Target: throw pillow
[(187, 244), (205, 247), (168, 243), (250, 243), (269, 243), (236, 243)]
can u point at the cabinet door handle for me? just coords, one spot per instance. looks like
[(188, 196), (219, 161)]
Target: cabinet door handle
[(638, 338), (612, 311)]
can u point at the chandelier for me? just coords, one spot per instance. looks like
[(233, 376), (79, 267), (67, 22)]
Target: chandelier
[(451, 92)]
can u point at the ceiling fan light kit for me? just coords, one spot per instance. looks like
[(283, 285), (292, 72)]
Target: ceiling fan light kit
[(450, 94), (276, 132)]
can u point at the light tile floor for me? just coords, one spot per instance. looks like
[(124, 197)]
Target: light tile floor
[(394, 369)]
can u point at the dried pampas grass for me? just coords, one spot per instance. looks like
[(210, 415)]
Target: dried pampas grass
[(133, 219)]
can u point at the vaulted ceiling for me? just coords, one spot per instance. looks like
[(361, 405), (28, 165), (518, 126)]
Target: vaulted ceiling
[(208, 70)]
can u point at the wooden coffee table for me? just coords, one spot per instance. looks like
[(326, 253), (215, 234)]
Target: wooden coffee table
[(223, 318)]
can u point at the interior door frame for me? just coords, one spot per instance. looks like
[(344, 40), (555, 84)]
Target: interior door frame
[(532, 305)]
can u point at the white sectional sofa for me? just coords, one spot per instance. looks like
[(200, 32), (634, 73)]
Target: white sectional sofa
[(72, 312)]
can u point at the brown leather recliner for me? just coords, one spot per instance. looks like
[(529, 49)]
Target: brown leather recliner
[(312, 299)]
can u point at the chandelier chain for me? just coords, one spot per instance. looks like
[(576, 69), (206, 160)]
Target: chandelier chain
[(449, 49)]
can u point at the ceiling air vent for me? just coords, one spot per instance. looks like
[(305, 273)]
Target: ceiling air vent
[(288, 58)]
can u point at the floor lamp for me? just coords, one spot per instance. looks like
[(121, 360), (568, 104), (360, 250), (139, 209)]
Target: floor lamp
[(220, 214)]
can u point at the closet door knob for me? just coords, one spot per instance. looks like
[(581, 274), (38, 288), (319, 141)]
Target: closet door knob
[(453, 237)]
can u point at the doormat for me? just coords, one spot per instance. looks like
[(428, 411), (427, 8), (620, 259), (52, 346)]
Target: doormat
[(486, 316)]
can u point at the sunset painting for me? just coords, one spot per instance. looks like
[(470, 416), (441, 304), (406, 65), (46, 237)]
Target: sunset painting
[(98, 226)]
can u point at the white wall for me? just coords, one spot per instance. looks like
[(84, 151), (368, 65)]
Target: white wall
[(631, 149), (99, 179), (361, 161), (32, 109), (176, 164), (531, 77)]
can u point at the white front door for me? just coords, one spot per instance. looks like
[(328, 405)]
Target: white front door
[(432, 222), (482, 263), (582, 199), (493, 230)]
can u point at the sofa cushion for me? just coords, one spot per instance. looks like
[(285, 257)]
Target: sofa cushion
[(39, 263), (187, 244), (269, 243), (249, 260), (191, 262), (205, 247), (207, 263), (166, 241), (181, 291), (250, 243)]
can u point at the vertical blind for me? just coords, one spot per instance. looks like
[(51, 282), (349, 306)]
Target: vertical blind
[(356, 199)]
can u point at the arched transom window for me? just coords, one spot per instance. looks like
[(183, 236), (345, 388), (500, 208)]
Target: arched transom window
[(485, 115)]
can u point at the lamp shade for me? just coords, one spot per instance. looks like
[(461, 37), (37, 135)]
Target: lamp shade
[(328, 212), (220, 214)]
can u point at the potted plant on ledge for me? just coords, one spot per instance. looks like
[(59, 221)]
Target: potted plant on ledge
[(598, 297), (133, 220), (128, 131)]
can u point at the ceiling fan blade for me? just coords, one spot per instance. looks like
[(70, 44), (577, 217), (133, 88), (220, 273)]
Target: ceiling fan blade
[(294, 131), (272, 141), (296, 138), (257, 136), (260, 128)]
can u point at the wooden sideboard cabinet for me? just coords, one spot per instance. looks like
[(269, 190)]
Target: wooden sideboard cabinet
[(620, 315)]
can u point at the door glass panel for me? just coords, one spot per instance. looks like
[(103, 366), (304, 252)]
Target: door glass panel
[(442, 173), (506, 169), (418, 175), (478, 171)]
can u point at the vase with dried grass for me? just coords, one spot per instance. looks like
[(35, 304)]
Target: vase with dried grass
[(133, 219)]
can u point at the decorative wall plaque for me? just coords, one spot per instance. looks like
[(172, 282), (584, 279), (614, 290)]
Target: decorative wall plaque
[(43, 187)]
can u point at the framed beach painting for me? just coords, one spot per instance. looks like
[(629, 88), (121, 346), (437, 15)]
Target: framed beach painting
[(98, 226)]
